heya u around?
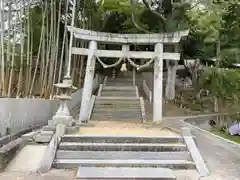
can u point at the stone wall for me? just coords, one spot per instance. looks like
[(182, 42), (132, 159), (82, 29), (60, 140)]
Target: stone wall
[(19, 114)]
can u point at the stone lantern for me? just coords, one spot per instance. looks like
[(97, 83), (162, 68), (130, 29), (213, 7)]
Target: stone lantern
[(63, 116)]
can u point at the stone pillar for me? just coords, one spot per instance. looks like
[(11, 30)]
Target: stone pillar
[(158, 82), (88, 82)]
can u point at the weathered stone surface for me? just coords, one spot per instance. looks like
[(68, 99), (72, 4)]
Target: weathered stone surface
[(30, 136), (47, 133), (6, 139), (47, 160), (50, 122), (27, 159), (197, 158), (8, 151), (69, 130), (173, 164), (125, 173), (181, 155), (66, 120), (49, 128), (43, 138), (60, 130), (120, 138), (120, 147)]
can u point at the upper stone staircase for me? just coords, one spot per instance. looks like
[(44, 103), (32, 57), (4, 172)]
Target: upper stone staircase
[(118, 99)]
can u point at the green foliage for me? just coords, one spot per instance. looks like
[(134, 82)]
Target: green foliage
[(120, 6), (218, 21), (223, 84)]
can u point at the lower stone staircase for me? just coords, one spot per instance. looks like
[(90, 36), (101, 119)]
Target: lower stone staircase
[(99, 156), (126, 156)]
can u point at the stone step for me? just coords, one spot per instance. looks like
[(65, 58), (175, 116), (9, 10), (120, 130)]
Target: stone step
[(116, 118), (118, 99), (75, 163), (119, 88), (120, 138), (119, 91), (122, 84), (116, 110), (118, 106), (178, 155), (120, 81), (101, 116), (119, 84), (113, 94), (76, 146), (125, 173), (129, 94)]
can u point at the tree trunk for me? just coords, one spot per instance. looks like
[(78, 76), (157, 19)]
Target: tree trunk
[(12, 64), (3, 83), (216, 107), (171, 78), (27, 82), (41, 46), (20, 76)]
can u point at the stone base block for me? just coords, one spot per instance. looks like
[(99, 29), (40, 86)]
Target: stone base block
[(69, 130), (30, 136), (47, 133), (44, 137), (65, 120), (50, 122), (60, 130)]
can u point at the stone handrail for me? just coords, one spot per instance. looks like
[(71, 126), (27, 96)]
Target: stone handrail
[(147, 91), (143, 111), (49, 155), (91, 106), (100, 89)]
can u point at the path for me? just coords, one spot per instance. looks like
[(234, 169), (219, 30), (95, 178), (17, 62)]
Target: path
[(222, 158), (27, 159)]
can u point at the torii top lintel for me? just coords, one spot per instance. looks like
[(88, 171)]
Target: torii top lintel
[(165, 38)]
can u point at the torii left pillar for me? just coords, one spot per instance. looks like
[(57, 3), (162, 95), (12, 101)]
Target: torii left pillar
[(158, 82), (88, 82)]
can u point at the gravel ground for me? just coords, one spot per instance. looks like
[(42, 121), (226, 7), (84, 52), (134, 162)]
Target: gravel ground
[(119, 127)]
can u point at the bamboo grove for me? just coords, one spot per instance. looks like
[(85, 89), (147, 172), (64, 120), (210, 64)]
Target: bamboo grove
[(34, 42), (34, 47)]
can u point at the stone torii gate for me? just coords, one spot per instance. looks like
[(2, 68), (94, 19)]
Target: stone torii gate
[(125, 40)]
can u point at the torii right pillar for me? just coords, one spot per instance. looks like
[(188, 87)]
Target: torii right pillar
[(158, 82)]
